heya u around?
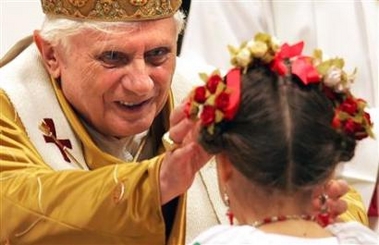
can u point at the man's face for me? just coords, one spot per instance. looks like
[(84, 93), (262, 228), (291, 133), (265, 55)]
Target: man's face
[(119, 81)]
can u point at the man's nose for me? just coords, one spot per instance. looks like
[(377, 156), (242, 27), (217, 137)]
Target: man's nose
[(137, 79)]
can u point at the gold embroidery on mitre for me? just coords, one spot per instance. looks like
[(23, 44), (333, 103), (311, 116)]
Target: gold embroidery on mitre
[(111, 10), (78, 3), (138, 2)]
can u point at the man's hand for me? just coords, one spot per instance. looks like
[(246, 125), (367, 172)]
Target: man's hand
[(180, 165)]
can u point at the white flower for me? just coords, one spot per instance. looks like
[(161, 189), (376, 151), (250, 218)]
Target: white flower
[(250, 44), (345, 85), (243, 57), (276, 43), (333, 77), (258, 48)]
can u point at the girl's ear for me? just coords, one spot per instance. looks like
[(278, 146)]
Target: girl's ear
[(49, 55), (224, 168)]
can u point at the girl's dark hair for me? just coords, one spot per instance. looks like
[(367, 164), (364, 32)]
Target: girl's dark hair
[(281, 136)]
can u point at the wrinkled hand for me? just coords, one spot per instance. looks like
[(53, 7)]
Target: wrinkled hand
[(334, 189), (180, 165)]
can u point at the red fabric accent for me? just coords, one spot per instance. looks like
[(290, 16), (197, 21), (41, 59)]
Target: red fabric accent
[(304, 69), (233, 81), (286, 52), (61, 142), (301, 65), (373, 210)]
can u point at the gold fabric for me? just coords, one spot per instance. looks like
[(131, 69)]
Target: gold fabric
[(77, 206), (111, 10), (356, 211)]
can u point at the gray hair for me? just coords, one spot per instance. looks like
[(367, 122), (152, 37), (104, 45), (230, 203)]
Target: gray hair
[(56, 29)]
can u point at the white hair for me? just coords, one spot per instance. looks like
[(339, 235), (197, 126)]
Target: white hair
[(56, 29)]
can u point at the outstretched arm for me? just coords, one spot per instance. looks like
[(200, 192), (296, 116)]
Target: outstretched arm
[(119, 203)]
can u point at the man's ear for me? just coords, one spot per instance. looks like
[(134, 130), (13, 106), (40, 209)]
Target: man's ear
[(49, 55)]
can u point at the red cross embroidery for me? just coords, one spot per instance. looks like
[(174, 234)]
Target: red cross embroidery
[(52, 138)]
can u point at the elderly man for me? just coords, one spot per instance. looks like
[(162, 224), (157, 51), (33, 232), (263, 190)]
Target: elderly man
[(83, 110)]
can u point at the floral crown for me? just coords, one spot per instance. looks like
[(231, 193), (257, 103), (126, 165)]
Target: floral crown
[(218, 100)]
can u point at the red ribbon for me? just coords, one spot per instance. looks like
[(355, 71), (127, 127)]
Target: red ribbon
[(300, 65), (233, 82)]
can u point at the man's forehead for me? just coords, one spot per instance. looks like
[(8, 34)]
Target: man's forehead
[(111, 10), (123, 38)]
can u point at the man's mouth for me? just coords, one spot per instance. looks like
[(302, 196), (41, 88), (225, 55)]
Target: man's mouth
[(133, 105)]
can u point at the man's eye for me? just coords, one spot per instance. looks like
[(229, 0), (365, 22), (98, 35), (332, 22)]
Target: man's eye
[(113, 58), (157, 56)]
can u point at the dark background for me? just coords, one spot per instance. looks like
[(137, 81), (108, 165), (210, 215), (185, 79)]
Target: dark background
[(185, 8)]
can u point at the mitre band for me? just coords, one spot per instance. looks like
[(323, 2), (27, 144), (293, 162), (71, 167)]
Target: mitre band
[(111, 10)]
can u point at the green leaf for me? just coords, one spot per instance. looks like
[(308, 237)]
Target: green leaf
[(232, 50), (317, 53), (219, 116), (263, 37), (204, 76), (324, 67), (338, 62)]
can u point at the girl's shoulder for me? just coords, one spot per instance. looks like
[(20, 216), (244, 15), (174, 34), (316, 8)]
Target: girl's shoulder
[(353, 233)]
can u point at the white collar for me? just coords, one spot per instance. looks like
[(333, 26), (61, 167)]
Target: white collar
[(124, 148)]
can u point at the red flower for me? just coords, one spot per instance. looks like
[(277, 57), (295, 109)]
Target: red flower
[(222, 101), (200, 93), (349, 106), (351, 127), (212, 83), (368, 118), (361, 135), (208, 115), (329, 93), (336, 122)]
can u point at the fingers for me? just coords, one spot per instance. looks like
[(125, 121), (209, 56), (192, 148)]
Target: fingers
[(180, 125), (177, 115), (335, 205), (336, 188), (191, 156), (179, 131)]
